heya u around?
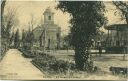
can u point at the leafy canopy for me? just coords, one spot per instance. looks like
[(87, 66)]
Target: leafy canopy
[(87, 17)]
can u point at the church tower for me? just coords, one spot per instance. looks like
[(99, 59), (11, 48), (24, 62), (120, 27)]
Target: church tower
[(48, 16), (48, 34)]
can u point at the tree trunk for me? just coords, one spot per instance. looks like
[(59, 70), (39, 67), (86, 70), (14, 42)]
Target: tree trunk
[(81, 58), (126, 15)]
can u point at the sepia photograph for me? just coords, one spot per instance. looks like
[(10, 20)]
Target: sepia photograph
[(64, 40)]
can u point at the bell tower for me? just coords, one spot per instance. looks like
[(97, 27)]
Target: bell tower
[(48, 16)]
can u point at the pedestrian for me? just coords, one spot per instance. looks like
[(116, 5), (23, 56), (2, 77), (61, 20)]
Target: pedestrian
[(100, 48)]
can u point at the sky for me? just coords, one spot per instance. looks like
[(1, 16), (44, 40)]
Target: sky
[(25, 10)]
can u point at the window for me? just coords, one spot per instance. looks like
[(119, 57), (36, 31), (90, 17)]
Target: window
[(49, 17)]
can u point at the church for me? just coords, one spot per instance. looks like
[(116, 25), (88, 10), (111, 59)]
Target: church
[(48, 34)]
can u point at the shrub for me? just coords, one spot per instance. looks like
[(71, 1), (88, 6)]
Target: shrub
[(51, 64), (27, 53)]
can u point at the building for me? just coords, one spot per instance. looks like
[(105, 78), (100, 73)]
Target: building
[(117, 39), (48, 34)]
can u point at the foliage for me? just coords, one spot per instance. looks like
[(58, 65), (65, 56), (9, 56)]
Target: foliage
[(3, 45), (51, 64), (66, 42), (123, 7), (8, 21), (23, 37), (11, 41), (67, 39), (46, 62), (87, 17), (3, 3), (27, 39), (17, 39), (27, 53), (30, 37)]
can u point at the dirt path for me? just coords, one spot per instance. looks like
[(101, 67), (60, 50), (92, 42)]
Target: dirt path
[(15, 66)]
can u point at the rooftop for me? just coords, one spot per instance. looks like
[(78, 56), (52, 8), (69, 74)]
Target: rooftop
[(120, 27)]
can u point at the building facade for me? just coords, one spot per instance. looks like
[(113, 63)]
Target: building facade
[(48, 34), (117, 40)]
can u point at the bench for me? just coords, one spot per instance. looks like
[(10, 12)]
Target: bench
[(119, 70)]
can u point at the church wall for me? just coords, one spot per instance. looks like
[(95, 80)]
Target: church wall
[(51, 37)]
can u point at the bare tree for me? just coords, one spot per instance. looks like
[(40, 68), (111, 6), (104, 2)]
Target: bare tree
[(9, 21), (32, 21), (123, 7), (30, 34)]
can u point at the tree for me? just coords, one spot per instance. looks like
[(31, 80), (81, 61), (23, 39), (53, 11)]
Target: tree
[(30, 31), (32, 21), (66, 44), (17, 39), (23, 38), (86, 18), (9, 22), (3, 44), (31, 37), (58, 40), (11, 40), (123, 7), (27, 39), (3, 3)]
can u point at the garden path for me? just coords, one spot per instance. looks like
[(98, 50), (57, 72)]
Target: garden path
[(15, 66)]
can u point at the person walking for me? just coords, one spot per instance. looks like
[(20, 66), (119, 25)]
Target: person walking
[(100, 48)]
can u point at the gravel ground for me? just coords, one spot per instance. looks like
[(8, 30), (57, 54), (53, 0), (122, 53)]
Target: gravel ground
[(15, 66)]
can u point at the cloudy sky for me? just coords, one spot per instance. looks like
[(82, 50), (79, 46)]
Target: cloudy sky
[(28, 8)]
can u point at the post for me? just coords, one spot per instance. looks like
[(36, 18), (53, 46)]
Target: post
[(125, 49), (108, 37)]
